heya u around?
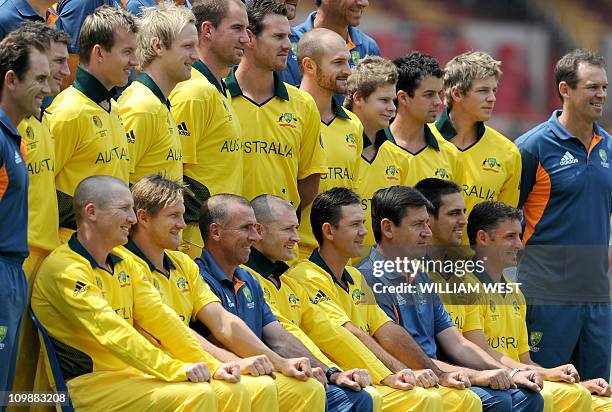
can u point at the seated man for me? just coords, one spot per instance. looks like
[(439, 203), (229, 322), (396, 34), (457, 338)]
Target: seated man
[(227, 224), (494, 230), (338, 225), (399, 216), (158, 203), (90, 300), (277, 225), (447, 221)]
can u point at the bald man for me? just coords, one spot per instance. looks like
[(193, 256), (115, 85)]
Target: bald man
[(324, 61), (91, 301)]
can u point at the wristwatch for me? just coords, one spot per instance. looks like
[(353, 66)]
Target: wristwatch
[(330, 372)]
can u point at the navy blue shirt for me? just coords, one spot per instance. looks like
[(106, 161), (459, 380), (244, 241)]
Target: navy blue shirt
[(13, 13), (242, 296), (13, 193), (135, 6), (420, 313), (566, 196), (360, 46)]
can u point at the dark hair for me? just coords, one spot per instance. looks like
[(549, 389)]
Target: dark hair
[(566, 69), (327, 208), (318, 3), (15, 54), (433, 189), (213, 11), (487, 215), (39, 31), (99, 28), (214, 210), (393, 203), (257, 11), (413, 68)]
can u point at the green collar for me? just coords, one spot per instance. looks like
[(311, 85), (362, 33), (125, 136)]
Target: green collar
[(430, 139), (448, 131), (318, 260), (339, 110), (132, 247), (264, 266), (150, 83), (203, 68), (91, 87), (77, 247), (279, 86)]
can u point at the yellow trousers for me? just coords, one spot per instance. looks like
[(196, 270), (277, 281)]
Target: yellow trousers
[(601, 403), (565, 397), (299, 396), (460, 400), (416, 399), (130, 390), (262, 389)]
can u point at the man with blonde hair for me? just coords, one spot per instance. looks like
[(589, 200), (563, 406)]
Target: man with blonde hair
[(492, 164), (84, 118), (91, 301), (167, 42), (202, 108)]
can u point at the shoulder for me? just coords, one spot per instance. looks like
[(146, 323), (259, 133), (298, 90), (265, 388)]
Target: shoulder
[(194, 89), (503, 144), (531, 138), (63, 259), (68, 105), (138, 98)]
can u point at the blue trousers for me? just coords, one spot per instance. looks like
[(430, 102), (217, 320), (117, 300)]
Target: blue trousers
[(13, 302), (517, 400), (339, 399), (580, 334)]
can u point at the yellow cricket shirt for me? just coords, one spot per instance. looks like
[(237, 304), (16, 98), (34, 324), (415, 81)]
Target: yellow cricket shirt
[(281, 140), (88, 139), (389, 167), (211, 137), (492, 165), (181, 287), (153, 138), (308, 322), (502, 318), (343, 143), (439, 158), (43, 217), (90, 313)]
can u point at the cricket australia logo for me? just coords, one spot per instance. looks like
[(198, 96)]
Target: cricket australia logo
[(97, 122), (3, 331), (392, 172), (355, 56), (182, 284), (442, 173), (293, 301), (287, 120), (247, 294), (350, 139), (604, 158), (357, 296), (534, 339), (123, 279), (490, 164)]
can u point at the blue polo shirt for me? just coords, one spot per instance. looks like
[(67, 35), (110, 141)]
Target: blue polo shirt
[(241, 296), (420, 313), (72, 13), (13, 193), (360, 46), (566, 196), (13, 13), (135, 6)]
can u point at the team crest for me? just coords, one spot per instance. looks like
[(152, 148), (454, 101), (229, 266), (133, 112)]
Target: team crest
[(122, 277), (294, 48), (442, 173), (350, 139), (491, 164), (392, 172), (603, 155), (355, 56), (492, 305), (357, 295), (287, 120), (97, 122), (182, 284), (534, 338), (247, 294), (517, 309), (293, 301), (3, 331), (30, 133)]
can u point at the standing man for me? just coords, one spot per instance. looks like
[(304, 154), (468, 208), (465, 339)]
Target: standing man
[(15, 12), (42, 199), (492, 163), (419, 87), (342, 292), (24, 76), (228, 229), (341, 16), (202, 109), (136, 7), (167, 42), (324, 60), (84, 119), (292, 76), (91, 301), (401, 231), (565, 195), (281, 126)]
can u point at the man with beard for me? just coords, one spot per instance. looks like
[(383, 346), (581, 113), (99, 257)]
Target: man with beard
[(324, 61)]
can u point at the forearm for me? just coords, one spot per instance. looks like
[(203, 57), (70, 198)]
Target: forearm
[(288, 346), (447, 367), (221, 354), (308, 188), (385, 357), (472, 356)]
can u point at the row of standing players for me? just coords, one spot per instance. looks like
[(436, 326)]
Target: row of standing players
[(394, 170)]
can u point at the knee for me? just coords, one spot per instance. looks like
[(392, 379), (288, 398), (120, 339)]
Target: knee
[(532, 401), (471, 401)]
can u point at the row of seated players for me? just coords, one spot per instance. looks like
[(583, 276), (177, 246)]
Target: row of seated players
[(102, 305)]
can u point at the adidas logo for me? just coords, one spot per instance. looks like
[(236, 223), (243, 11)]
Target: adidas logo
[(320, 297), (79, 288), (131, 138), (182, 128), (568, 159), (17, 158)]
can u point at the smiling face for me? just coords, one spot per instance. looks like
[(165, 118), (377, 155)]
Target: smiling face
[(502, 243), (237, 234), (426, 103), (181, 55), (58, 65), (115, 65), (333, 67), (28, 92), (271, 47), (348, 11), (165, 227), (447, 229), (587, 99), (114, 219), (376, 111), (280, 235)]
